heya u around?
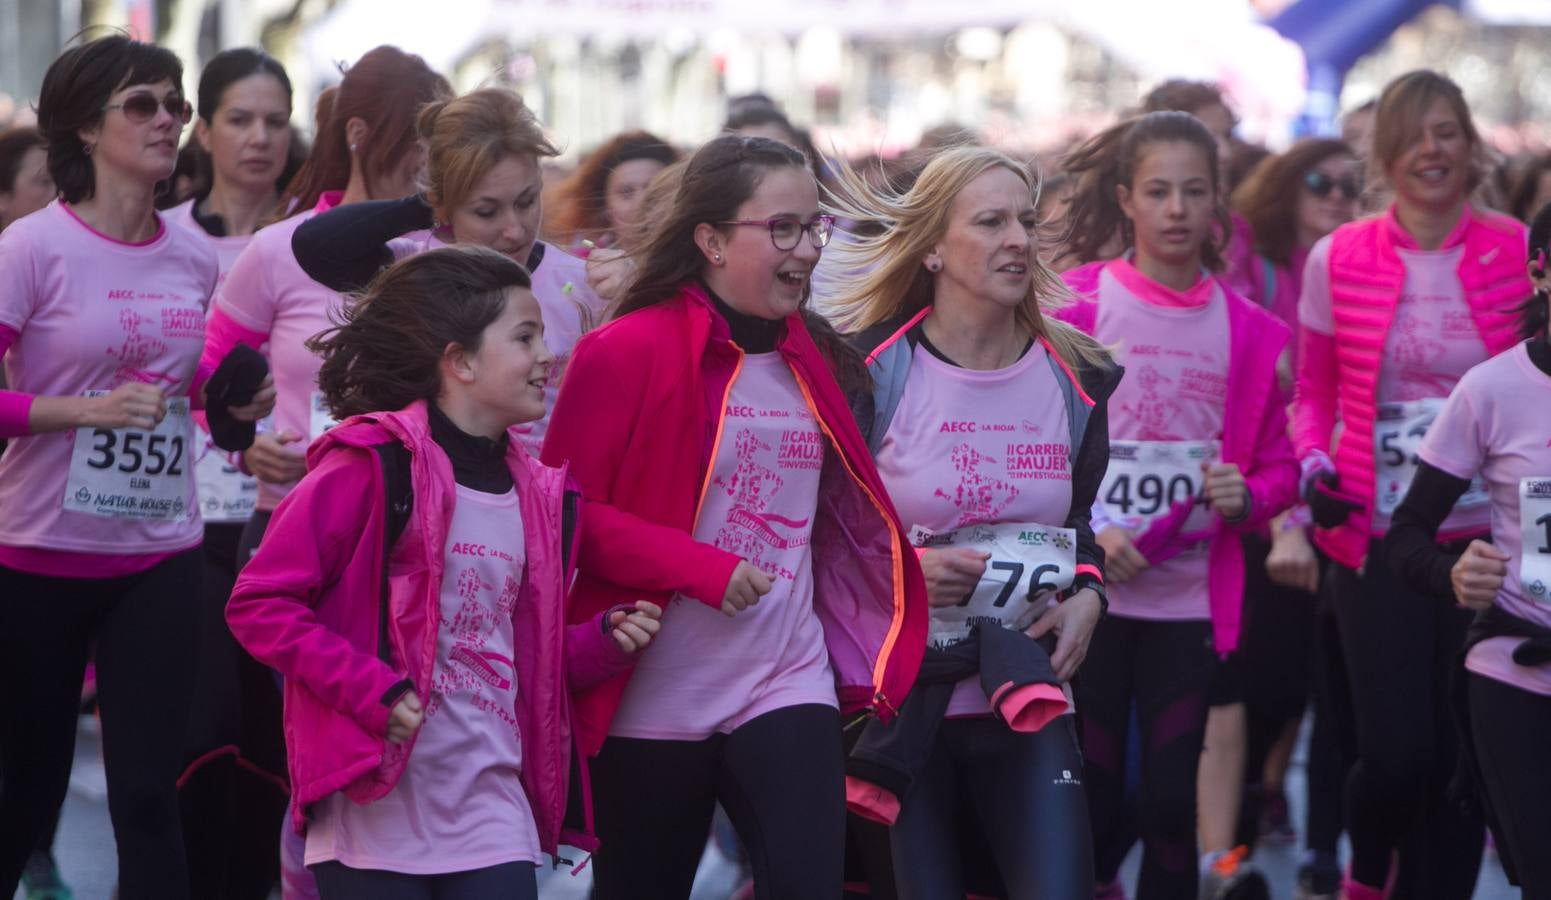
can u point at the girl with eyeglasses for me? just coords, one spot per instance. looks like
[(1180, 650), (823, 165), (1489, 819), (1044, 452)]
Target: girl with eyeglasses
[(708, 429), (1198, 456), (102, 315), (483, 186), (1394, 310)]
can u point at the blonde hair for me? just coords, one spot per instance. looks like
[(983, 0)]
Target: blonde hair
[(466, 136), (883, 276)]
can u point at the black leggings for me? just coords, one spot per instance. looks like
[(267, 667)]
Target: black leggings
[(1024, 792), (1400, 649), (508, 881), (145, 629), (1165, 669), (1511, 728), (781, 779), (1333, 741)]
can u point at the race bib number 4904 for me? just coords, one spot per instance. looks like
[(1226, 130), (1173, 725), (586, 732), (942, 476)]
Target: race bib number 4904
[(1146, 478), (1535, 529), (1029, 564), (1398, 429), (133, 473)]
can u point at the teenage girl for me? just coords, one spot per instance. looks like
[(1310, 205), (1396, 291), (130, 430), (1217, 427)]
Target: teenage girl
[(483, 187), (1199, 455), (232, 794), (708, 427), (598, 206), (367, 149), (985, 415), (101, 323), (411, 592), (1395, 309)]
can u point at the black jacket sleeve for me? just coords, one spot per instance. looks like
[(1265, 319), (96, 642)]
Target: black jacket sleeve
[(1411, 547), (1091, 462), (347, 246)]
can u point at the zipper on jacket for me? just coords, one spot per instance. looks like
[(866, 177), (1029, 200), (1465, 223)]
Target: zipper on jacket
[(716, 444)]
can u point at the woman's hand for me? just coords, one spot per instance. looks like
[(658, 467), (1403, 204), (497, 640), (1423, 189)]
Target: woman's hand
[(1122, 561), (262, 404), (951, 574), (1478, 575), (406, 717), (1073, 621), (1225, 490), (1292, 562), (744, 588), (609, 272), (269, 461), (130, 405), (632, 631)]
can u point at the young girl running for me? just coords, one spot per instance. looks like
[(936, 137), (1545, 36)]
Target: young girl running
[(483, 187), (1199, 454), (1395, 309), (719, 451), (989, 427), (1483, 432), (366, 149), (101, 323), (411, 592)]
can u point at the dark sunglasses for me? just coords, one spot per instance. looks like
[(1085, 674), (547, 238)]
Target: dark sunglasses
[(1320, 185), (141, 106)]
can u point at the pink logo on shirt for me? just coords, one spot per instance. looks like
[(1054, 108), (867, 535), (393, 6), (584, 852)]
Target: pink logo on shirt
[(979, 497), (751, 529)]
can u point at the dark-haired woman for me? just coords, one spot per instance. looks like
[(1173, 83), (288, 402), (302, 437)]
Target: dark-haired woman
[(25, 183), (1394, 310), (600, 202), (233, 792), (1198, 455), (102, 317), (1483, 432), (707, 426), (412, 592)]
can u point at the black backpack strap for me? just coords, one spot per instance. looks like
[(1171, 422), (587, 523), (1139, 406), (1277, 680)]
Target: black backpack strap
[(398, 493)]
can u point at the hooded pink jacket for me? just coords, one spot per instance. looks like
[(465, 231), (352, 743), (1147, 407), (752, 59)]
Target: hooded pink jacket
[(309, 604), (1254, 436)]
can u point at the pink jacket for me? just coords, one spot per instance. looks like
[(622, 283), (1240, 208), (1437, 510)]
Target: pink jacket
[(638, 418), (1338, 375), (311, 604), (1254, 437)]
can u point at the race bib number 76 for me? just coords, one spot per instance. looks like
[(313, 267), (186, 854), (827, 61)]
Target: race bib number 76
[(1029, 565)]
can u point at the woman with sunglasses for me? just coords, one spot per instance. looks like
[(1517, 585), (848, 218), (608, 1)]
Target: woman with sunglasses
[(102, 314), (1394, 310), (707, 429), (483, 186)]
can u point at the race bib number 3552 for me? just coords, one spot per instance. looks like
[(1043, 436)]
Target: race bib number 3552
[(1535, 530), (133, 473), (1029, 564)]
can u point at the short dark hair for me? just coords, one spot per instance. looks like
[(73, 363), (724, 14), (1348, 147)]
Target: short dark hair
[(1533, 314), (76, 88), (14, 144)]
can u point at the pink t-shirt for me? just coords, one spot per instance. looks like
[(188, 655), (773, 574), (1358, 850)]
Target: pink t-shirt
[(1485, 429), (970, 447), (266, 292), (706, 673), (92, 313), (570, 310), (459, 804), (1175, 348), (1432, 342)]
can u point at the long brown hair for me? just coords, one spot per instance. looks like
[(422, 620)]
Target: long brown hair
[(386, 351), (385, 89), (719, 178), (1109, 159), (579, 205), (1268, 198)]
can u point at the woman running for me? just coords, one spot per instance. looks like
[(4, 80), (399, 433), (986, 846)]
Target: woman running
[(1199, 455), (483, 187), (598, 205), (411, 591), (101, 324), (708, 427), (989, 429), (1395, 309)]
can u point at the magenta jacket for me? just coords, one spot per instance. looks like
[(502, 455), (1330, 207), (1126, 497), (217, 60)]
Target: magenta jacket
[(1254, 436), (638, 420), (1338, 375), (308, 604)]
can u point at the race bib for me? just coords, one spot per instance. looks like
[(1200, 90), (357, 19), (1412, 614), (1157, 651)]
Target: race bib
[(131, 473), (1029, 564), (1535, 529), (1146, 478), (225, 494), (1398, 430), (319, 419)]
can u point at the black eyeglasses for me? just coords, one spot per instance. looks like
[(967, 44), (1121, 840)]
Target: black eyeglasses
[(786, 231), (141, 106), (1320, 185)]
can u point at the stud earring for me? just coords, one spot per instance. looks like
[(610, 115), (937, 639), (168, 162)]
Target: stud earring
[(934, 267), (716, 257), (87, 149)]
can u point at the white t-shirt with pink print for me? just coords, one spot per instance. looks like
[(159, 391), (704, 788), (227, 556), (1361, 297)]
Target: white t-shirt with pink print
[(706, 673), (459, 804), (90, 313)]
